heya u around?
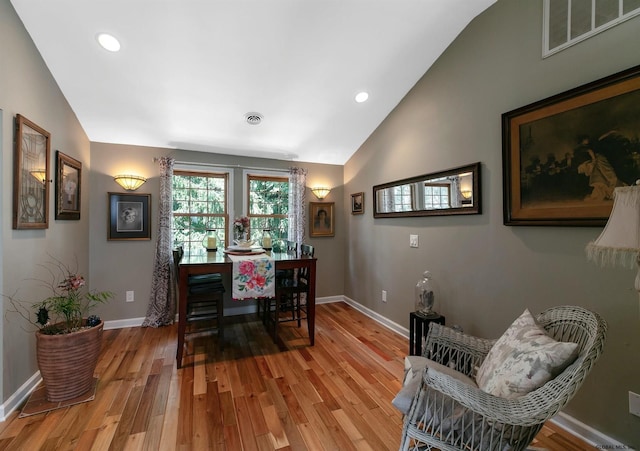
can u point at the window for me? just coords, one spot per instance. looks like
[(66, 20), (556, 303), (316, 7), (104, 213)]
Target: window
[(199, 202), (268, 207), (567, 22), (437, 195)]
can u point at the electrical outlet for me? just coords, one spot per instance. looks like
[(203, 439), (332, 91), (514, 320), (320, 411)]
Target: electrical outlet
[(384, 295), (634, 403), (413, 240), (130, 297)]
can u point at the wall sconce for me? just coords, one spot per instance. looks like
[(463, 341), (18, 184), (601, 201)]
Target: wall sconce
[(129, 182), (40, 175), (466, 193), (320, 192)]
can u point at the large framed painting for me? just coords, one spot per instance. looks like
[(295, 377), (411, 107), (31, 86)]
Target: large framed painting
[(129, 216), (68, 178), (31, 175), (322, 221), (564, 156)]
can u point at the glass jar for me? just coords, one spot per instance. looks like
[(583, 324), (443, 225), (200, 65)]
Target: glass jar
[(210, 241), (425, 296), (266, 239)]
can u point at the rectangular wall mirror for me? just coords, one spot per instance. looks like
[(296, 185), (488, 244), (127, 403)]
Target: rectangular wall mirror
[(452, 192)]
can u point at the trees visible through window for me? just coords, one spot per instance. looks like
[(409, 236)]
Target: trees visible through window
[(199, 203), (268, 207)]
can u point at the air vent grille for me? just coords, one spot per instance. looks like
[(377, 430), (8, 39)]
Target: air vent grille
[(253, 118)]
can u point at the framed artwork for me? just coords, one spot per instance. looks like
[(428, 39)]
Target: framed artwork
[(68, 178), (564, 155), (357, 203), (322, 219), (129, 216), (31, 176)]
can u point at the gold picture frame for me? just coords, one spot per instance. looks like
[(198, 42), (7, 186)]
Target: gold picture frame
[(322, 221), (564, 155), (31, 175)]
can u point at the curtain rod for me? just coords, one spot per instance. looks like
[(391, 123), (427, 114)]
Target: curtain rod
[(227, 166)]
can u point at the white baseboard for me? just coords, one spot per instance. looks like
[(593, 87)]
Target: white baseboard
[(570, 424), (15, 400), (397, 328), (590, 435)]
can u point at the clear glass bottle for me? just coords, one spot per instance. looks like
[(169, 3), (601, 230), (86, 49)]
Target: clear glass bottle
[(210, 241), (425, 296), (266, 239)]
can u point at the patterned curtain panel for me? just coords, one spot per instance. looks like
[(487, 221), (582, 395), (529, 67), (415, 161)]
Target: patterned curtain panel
[(297, 200), (162, 302)]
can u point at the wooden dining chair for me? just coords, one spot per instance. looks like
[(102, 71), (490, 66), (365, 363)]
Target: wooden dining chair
[(264, 305), (289, 296), (205, 306)]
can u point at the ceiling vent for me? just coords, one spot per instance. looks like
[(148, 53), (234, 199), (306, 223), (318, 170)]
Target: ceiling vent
[(253, 118)]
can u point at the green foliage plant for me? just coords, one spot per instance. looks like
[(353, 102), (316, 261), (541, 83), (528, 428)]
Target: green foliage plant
[(66, 310)]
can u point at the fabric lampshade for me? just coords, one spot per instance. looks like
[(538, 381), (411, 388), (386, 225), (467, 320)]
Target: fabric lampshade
[(619, 242)]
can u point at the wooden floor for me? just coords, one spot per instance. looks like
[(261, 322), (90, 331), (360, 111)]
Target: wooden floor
[(253, 395)]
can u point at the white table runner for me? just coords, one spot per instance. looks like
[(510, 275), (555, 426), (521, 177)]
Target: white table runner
[(253, 277)]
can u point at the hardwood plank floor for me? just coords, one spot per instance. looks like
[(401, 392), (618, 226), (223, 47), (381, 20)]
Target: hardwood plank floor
[(253, 395)]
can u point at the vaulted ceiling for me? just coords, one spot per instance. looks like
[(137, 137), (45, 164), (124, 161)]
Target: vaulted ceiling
[(188, 71)]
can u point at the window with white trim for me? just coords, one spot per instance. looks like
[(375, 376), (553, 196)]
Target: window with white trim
[(200, 202), (268, 207)]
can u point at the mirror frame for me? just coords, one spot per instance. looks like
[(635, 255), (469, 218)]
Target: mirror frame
[(474, 209)]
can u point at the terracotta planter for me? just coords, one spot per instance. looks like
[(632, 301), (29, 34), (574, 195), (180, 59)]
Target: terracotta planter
[(67, 362)]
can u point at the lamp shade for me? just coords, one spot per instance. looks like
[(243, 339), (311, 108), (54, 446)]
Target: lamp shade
[(320, 192), (619, 242), (130, 182)]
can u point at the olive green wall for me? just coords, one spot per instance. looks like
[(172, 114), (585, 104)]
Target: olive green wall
[(488, 273), (27, 88)]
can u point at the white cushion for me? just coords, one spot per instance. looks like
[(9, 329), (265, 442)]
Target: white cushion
[(414, 368), (523, 359)]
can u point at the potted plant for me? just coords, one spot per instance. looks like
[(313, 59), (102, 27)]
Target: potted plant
[(67, 341)]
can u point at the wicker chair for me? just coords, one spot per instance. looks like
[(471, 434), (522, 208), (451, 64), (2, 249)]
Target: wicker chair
[(448, 414)]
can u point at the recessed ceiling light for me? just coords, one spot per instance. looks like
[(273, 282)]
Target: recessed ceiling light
[(108, 42), (362, 97)]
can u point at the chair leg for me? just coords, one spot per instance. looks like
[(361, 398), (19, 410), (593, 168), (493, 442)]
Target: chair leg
[(298, 301)]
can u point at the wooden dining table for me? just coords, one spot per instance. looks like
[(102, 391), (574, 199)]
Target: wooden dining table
[(219, 262)]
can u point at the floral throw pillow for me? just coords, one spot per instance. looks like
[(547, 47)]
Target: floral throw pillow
[(523, 359)]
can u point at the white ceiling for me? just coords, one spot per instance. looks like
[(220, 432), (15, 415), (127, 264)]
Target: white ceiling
[(189, 70)]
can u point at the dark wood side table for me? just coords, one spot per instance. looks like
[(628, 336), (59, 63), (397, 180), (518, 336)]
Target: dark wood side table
[(418, 328)]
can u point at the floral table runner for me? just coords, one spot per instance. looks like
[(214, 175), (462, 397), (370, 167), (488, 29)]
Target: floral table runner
[(253, 277)]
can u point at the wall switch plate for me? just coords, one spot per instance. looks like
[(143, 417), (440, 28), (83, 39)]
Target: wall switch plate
[(413, 240), (130, 297), (634, 403), (384, 295)]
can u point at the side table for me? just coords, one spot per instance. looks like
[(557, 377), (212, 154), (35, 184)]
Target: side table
[(418, 328)]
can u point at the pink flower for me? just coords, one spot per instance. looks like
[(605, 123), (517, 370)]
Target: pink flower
[(259, 280), (246, 267)]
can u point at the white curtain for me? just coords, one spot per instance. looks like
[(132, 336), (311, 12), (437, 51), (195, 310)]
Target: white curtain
[(162, 302), (297, 201)]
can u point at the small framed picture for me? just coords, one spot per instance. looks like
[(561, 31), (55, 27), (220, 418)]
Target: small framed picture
[(68, 177), (357, 203), (129, 216), (322, 220)]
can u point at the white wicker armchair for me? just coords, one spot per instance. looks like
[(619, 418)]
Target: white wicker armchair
[(449, 414)]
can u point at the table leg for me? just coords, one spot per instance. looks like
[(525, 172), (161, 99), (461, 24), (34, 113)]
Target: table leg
[(182, 312), (311, 302)]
